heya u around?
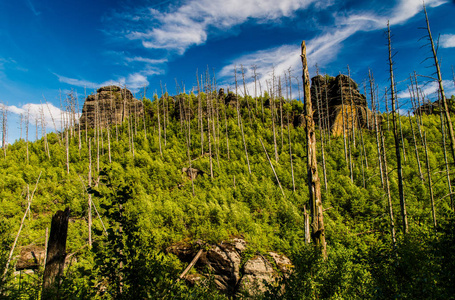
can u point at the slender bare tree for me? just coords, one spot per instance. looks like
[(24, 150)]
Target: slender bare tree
[(441, 87), (395, 134), (314, 185)]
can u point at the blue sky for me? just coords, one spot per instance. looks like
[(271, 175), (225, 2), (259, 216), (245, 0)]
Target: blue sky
[(50, 47)]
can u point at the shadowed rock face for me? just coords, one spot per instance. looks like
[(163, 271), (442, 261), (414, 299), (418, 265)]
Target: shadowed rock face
[(223, 261), (112, 105), (333, 96), (31, 257)]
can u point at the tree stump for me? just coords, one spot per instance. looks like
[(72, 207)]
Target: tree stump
[(56, 254)]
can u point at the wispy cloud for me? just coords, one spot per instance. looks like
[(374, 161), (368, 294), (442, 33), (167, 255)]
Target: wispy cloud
[(430, 89), (191, 23), (325, 47), (146, 60), (133, 81), (32, 8), (447, 40)]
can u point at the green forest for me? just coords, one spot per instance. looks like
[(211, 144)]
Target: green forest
[(356, 202), (142, 201)]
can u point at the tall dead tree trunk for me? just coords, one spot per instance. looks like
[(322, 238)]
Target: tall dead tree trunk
[(209, 133), (89, 209), (343, 121), (27, 124), (245, 94), (67, 152), (201, 123), (4, 127), (376, 126), (56, 254), (321, 136), (314, 185), (441, 88), (272, 110), (446, 162), (159, 123), (415, 148), (395, 135), (387, 190), (430, 183)]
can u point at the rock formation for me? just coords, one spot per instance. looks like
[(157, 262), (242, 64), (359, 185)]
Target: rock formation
[(233, 275), (30, 257), (112, 105), (192, 172), (333, 96)]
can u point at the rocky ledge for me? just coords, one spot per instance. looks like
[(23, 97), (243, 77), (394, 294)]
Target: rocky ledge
[(236, 271)]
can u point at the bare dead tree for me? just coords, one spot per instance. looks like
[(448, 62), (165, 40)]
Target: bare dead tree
[(314, 185), (237, 96), (441, 86), (376, 125), (446, 162), (430, 183), (343, 120), (4, 128), (201, 123), (67, 152), (280, 98), (273, 169), (321, 135), (255, 77), (157, 101), (89, 209), (209, 140), (387, 190), (29, 203), (27, 122), (290, 153), (245, 94), (395, 134), (244, 145), (165, 114), (272, 112)]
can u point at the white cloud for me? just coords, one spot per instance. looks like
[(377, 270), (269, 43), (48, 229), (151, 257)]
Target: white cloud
[(447, 40), (146, 60), (133, 81), (325, 47), (53, 116), (430, 89), (77, 82), (321, 49), (187, 25)]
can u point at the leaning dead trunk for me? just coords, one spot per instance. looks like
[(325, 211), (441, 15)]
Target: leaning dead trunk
[(441, 88), (430, 183), (314, 184), (56, 253)]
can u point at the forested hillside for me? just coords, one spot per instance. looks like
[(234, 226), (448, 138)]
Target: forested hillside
[(250, 153)]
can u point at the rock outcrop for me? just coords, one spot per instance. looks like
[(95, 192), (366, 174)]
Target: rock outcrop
[(112, 105), (335, 97), (192, 172), (30, 257), (233, 274)]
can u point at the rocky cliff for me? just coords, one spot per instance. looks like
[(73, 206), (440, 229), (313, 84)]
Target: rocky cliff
[(235, 273), (112, 105), (337, 100)]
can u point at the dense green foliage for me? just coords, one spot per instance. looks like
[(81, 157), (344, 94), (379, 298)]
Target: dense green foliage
[(146, 203)]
